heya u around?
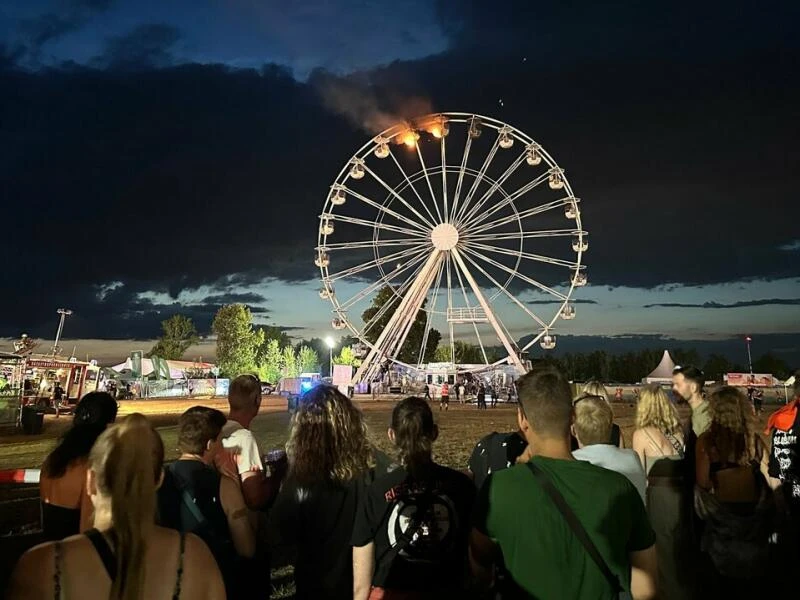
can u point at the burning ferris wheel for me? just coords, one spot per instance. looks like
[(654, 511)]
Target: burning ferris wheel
[(466, 224)]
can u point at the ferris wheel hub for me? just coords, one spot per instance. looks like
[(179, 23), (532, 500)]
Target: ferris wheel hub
[(444, 236)]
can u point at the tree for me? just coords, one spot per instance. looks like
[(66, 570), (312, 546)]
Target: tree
[(307, 360), (347, 357), (289, 366), (269, 367), (178, 333), (716, 366), (769, 363), (466, 354), (236, 340), (410, 351)]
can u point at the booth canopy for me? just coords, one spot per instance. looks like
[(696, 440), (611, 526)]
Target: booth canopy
[(663, 372), (176, 367)]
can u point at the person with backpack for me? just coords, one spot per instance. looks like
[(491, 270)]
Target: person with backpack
[(410, 533), (556, 527), (195, 498)]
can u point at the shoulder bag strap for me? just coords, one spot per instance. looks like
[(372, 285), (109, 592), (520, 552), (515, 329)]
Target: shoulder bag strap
[(575, 525), (675, 444), (188, 500)]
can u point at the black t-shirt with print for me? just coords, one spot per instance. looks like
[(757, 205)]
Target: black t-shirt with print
[(495, 452), (784, 459), (419, 528)]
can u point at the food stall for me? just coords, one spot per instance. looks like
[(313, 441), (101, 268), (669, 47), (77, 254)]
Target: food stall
[(12, 368), (45, 374)]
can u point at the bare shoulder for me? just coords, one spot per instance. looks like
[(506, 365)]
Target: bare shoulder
[(201, 576), (33, 574)]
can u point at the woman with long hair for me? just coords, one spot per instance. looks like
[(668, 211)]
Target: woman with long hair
[(66, 507), (330, 464), (125, 556), (411, 530), (659, 442), (733, 496)]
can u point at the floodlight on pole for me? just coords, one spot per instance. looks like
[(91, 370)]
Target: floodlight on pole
[(748, 339), (64, 312), (331, 343)]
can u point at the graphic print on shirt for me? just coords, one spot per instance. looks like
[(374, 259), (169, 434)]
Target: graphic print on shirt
[(423, 524)]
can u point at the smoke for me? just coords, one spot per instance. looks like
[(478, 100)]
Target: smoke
[(360, 102)]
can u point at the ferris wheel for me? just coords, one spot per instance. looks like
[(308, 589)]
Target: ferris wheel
[(457, 221)]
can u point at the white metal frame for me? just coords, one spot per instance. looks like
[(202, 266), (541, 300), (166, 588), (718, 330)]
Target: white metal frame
[(440, 243)]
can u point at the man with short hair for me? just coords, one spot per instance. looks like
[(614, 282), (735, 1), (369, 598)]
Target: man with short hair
[(592, 429), (518, 523), (244, 399), (688, 383)]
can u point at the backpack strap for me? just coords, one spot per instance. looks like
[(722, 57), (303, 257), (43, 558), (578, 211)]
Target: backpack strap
[(104, 552), (576, 526)]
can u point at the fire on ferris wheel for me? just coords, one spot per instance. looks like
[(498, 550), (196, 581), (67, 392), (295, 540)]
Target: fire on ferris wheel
[(469, 223)]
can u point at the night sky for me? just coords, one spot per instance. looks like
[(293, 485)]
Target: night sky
[(160, 157)]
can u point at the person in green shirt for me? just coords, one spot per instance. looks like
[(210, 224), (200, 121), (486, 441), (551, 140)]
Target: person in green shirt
[(518, 530), (688, 382)]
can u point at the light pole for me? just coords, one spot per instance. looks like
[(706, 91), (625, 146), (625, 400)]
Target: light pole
[(64, 312), (331, 345), (748, 339)]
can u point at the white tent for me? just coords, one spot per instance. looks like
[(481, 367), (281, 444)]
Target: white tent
[(663, 372), (176, 367)]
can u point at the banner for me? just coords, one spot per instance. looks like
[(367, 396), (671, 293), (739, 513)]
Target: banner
[(342, 375), (750, 380), (136, 364)]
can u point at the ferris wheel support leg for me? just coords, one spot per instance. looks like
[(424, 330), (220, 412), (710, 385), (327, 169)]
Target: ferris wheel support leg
[(512, 355), (400, 321)]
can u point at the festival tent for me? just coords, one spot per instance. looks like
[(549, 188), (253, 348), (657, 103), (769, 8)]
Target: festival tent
[(663, 372), (176, 367)]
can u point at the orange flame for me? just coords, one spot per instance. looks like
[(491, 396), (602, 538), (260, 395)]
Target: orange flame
[(409, 138)]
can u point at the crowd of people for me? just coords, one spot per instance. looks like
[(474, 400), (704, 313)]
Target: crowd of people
[(558, 508)]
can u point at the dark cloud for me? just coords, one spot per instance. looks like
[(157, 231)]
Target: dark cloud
[(38, 31), (575, 301), (168, 178), (234, 298), (147, 46), (742, 304)]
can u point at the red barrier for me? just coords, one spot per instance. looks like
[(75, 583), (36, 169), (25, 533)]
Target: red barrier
[(20, 476)]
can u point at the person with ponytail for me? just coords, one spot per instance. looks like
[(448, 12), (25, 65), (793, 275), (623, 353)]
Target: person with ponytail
[(411, 529), (125, 556), (66, 507)]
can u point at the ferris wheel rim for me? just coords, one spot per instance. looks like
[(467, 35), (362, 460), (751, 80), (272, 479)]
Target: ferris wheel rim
[(454, 117)]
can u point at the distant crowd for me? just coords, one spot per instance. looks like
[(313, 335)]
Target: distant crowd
[(558, 508)]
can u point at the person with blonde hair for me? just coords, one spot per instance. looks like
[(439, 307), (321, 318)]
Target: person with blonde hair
[(330, 465), (659, 442), (126, 556), (596, 389)]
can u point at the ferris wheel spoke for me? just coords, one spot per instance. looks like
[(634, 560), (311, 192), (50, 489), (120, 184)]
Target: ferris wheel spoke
[(394, 193), (368, 244), (375, 263), (460, 180), (379, 283), (473, 188), (428, 180), (508, 200), (515, 273), (541, 233), (376, 224), (493, 319), (401, 289), (430, 312), (517, 216), (444, 176), (527, 255), (495, 186), (385, 209), (511, 296), (466, 304)]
